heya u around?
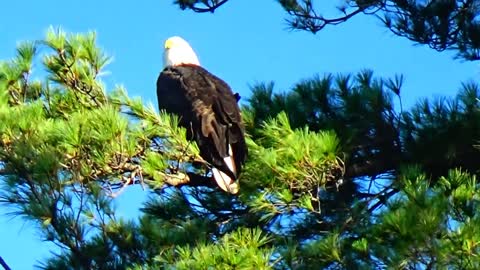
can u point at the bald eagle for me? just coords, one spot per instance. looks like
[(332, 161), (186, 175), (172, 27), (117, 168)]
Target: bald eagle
[(207, 108)]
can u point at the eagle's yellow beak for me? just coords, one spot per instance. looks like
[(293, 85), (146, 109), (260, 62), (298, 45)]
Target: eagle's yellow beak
[(168, 43)]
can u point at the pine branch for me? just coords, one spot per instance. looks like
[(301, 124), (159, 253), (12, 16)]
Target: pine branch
[(311, 21), (382, 199), (210, 6), (70, 80), (441, 25)]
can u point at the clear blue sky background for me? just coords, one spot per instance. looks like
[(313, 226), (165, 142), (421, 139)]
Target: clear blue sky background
[(240, 44)]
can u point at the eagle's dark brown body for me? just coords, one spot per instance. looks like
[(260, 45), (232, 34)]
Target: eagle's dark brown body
[(209, 111)]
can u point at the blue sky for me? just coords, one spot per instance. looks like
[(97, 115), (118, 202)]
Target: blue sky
[(239, 43)]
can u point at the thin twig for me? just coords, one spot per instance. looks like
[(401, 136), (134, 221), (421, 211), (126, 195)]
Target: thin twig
[(210, 8), (122, 189), (4, 264)]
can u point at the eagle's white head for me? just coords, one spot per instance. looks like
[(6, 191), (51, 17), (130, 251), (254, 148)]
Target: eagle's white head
[(177, 52)]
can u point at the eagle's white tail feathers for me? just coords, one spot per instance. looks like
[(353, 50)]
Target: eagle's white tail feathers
[(224, 181)]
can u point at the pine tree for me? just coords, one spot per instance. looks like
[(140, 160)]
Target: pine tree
[(442, 24), (336, 178)]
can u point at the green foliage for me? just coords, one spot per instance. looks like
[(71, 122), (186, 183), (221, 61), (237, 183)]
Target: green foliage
[(438, 135), (421, 227), (291, 166), (242, 249), (336, 177), (358, 108), (67, 148), (298, 158)]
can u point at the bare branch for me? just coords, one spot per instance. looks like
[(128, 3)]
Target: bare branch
[(4, 264), (210, 6)]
